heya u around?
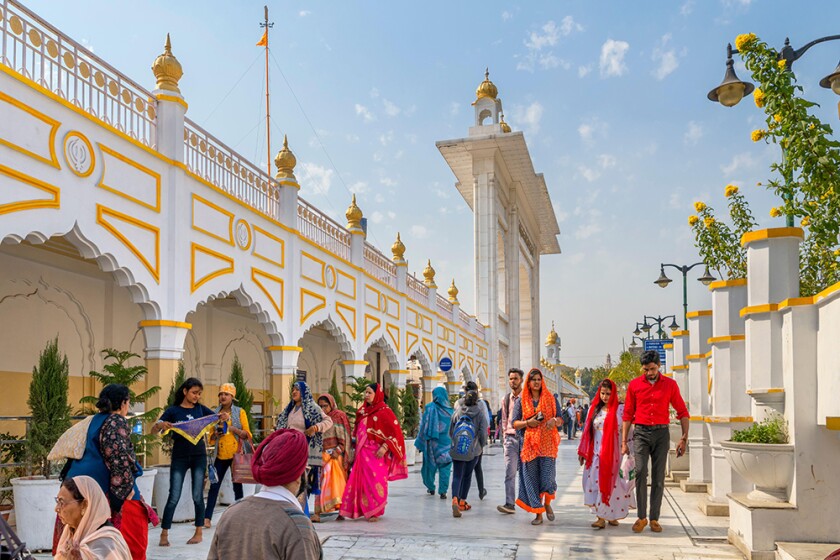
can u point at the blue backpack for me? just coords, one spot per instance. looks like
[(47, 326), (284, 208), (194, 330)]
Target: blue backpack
[(464, 435)]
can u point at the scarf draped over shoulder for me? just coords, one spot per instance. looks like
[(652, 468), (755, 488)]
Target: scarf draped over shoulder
[(312, 414), (382, 424), (541, 441), (94, 538)]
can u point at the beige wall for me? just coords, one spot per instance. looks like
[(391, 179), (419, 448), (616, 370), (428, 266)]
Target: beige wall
[(320, 358)]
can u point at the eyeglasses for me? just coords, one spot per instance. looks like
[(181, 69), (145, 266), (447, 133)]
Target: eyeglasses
[(61, 504)]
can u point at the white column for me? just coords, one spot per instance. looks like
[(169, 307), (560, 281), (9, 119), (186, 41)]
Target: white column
[(700, 329)]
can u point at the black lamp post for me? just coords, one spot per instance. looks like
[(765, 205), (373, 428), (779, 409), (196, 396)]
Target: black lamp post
[(659, 321), (663, 282), (731, 90)]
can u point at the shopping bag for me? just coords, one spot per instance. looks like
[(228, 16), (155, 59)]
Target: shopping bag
[(627, 474), (241, 468)]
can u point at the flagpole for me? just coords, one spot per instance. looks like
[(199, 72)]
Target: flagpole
[(266, 25)]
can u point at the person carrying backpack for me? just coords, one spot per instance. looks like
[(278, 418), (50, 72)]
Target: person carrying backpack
[(469, 436)]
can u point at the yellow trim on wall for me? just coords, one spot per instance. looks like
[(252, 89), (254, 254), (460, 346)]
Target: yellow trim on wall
[(83, 138), (668, 346), (285, 348), (765, 391), (172, 98), (24, 205), (282, 262), (679, 368), (164, 323), (393, 332), (140, 167), (277, 303), (832, 423), (727, 338), (717, 285), (771, 233), (317, 296), (351, 323), (678, 334), (101, 211), (371, 320), (355, 362), (795, 302), (54, 124), (409, 342), (219, 209), (694, 357), (726, 419), (702, 313), (194, 248), (322, 281), (756, 309), (696, 418), (250, 235), (338, 272)]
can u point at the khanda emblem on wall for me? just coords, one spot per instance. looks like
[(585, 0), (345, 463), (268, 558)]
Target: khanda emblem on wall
[(78, 152)]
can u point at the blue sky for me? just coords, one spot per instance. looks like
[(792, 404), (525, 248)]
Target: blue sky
[(611, 96)]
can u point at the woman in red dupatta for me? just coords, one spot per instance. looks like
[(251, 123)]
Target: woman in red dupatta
[(336, 456), (600, 453), (537, 415), (380, 457)]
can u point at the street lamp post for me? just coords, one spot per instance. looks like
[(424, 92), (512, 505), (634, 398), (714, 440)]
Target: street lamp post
[(663, 282), (658, 320), (731, 90)]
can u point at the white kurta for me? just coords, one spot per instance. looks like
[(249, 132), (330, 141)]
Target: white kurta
[(620, 504)]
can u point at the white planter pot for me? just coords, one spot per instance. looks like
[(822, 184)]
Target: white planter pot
[(410, 452), (768, 466), (226, 496), (35, 510), (146, 485), (185, 511)]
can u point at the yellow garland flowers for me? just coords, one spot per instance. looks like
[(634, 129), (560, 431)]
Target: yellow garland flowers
[(777, 117), (806, 221), (731, 190), (775, 212), (699, 206), (692, 220), (757, 135), (782, 64), (708, 221), (758, 97), (744, 40)]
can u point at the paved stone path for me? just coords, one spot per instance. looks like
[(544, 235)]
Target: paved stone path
[(419, 526)]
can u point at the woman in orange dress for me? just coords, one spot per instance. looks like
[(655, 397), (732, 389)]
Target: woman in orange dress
[(336, 456)]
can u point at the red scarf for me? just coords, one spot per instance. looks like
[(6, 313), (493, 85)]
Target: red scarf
[(608, 463), (382, 423)]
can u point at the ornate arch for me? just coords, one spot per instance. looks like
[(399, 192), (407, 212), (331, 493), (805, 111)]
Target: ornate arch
[(390, 353), (253, 306), (338, 334), (425, 364)]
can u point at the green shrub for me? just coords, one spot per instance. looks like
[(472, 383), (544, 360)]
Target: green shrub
[(48, 393), (180, 377), (244, 396), (410, 412), (771, 430)]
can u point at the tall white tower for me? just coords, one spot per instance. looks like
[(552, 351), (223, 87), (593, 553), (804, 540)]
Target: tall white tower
[(514, 224)]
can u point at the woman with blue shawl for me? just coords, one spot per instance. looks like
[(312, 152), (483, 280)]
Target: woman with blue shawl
[(304, 415), (434, 442)]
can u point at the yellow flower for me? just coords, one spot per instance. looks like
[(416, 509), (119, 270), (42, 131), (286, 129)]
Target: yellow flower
[(837, 252), (806, 221), (692, 220), (757, 135), (777, 117), (775, 212), (811, 126), (731, 190), (744, 40), (708, 221), (758, 97), (699, 206), (782, 64)]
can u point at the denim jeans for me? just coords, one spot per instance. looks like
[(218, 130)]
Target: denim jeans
[(479, 475), (513, 448), (222, 466), (462, 477), (197, 465), (650, 443)]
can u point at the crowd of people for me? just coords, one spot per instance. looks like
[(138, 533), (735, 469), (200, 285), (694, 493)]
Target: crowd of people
[(315, 452)]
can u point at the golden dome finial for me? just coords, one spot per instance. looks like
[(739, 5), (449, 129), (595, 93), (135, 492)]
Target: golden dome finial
[(285, 161), (552, 337), (398, 249), (505, 126), (486, 88), (167, 69), (429, 275), (354, 216), (453, 292)]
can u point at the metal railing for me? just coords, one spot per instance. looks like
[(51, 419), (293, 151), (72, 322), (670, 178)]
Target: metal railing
[(379, 266), (40, 52), (416, 290), (209, 158), (322, 230), (444, 305)]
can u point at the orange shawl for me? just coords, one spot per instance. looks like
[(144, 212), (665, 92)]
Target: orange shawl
[(540, 441)]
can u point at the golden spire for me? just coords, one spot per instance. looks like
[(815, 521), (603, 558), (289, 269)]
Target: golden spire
[(398, 249), (505, 126), (552, 337), (167, 69), (486, 88), (285, 161), (429, 275), (354, 216), (453, 292)]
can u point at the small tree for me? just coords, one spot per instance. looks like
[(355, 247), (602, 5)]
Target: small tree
[(627, 369), (393, 401), (48, 393), (118, 372), (244, 397), (180, 377), (334, 390), (410, 412), (356, 395)]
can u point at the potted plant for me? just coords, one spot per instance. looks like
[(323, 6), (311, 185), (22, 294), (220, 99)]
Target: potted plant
[(12, 465), (410, 422), (50, 417), (763, 455), (244, 400)]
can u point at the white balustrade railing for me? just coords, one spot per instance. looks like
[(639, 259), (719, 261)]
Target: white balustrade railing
[(464, 318), (417, 290), (379, 266), (40, 52), (444, 305), (206, 156), (322, 230)]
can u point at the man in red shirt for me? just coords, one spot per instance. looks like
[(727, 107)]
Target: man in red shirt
[(646, 406)]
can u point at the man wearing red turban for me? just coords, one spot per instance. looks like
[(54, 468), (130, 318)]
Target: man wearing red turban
[(271, 521)]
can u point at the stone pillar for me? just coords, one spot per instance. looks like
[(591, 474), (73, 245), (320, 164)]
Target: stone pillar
[(773, 272), (399, 377), (730, 408), (700, 327), (680, 365), (289, 189), (453, 387), (429, 384), (353, 369), (283, 368), (171, 107)]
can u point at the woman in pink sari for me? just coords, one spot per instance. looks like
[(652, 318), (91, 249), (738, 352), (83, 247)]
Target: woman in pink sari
[(380, 458)]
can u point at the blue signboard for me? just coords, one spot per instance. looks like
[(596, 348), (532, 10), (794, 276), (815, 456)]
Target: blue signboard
[(445, 364), (659, 346)]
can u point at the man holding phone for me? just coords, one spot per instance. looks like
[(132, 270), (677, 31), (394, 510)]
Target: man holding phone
[(646, 406)]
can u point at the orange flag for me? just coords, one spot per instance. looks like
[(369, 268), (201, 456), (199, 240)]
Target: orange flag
[(264, 41)]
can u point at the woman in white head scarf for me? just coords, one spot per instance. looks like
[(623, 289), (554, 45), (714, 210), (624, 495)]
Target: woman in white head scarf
[(88, 533)]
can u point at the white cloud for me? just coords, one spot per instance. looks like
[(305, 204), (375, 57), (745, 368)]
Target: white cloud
[(316, 178), (374, 92), (359, 187), (304, 13), (687, 8), (606, 161), (376, 217), (693, 134), (506, 15), (584, 70), (666, 57), (612, 58), (365, 113), (388, 182), (454, 108), (386, 137), (540, 43), (419, 232), (739, 161), (546, 36), (391, 108), (391, 214), (588, 173), (589, 130), (529, 117), (378, 198), (568, 25), (442, 193), (587, 230)]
